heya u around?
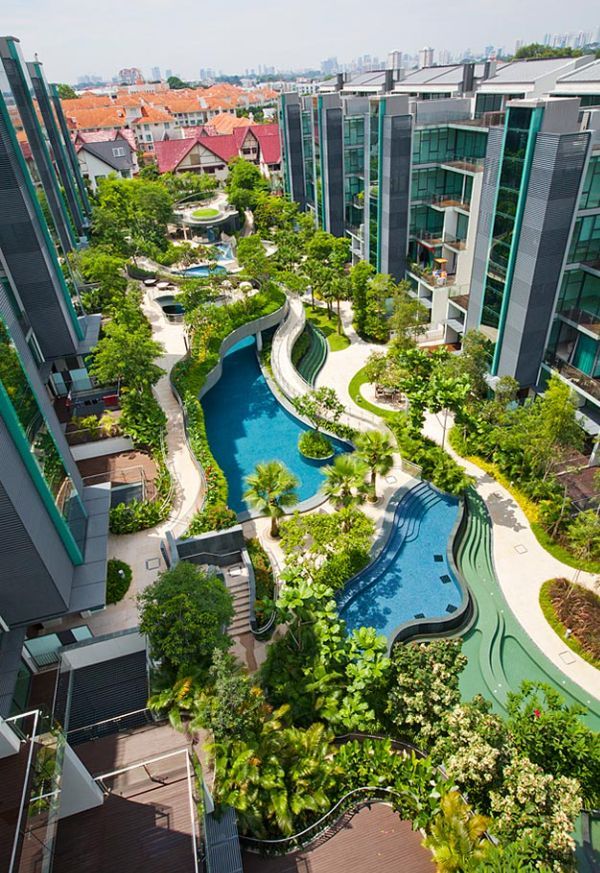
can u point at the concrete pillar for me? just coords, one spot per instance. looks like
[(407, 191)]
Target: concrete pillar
[(9, 741), (259, 343)]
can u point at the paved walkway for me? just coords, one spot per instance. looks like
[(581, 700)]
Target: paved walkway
[(286, 375), (142, 550), (522, 566)]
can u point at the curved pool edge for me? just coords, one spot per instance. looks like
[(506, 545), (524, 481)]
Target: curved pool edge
[(426, 628), (463, 618), (317, 499), (258, 324)]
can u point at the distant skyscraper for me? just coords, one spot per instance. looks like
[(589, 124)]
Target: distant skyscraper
[(425, 57), (394, 60), (329, 66), (444, 57), (155, 73), (168, 73), (518, 45)]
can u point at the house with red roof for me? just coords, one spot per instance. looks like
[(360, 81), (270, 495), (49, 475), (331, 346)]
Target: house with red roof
[(203, 150)]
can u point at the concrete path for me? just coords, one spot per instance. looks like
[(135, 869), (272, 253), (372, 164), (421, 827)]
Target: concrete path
[(286, 375), (341, 366), (522, 566), (142, 550)]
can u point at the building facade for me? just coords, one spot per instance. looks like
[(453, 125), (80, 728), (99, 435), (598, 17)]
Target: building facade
[(54, 528)]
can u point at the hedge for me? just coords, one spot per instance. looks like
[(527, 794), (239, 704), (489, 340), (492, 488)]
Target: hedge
[(118, 580)]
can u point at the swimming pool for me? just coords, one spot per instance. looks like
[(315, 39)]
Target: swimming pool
[(246, 425), (411, 578), (225, 256)]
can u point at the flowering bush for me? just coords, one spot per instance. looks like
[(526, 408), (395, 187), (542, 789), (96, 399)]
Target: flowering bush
[(538, 811)]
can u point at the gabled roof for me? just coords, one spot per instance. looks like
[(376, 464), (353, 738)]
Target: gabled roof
[(110, 116), (528, 71), (104, 151), (170, 153), (152, 115), (589, 73), (82, 137)]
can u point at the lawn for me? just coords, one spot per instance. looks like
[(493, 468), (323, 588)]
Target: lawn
[(360, 378), (205, 212), (328, 326)]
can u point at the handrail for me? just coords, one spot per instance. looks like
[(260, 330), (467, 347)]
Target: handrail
[(94, 724), (313, 831)]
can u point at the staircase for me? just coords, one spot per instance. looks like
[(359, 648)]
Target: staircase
[(238, 587)]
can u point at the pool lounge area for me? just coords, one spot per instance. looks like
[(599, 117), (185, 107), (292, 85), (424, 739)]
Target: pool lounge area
[(246, 425), (412, 579)]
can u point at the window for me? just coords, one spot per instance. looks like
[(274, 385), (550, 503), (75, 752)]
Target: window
[(118, 152)]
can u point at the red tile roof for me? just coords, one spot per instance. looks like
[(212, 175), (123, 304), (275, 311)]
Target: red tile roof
[(170, 153), (82, 137)]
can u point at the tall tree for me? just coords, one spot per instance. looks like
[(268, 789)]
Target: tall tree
[(272, 490), (360, 276), (244, 184), (409, 318), (183, 615), (377, 451), (345, 481)]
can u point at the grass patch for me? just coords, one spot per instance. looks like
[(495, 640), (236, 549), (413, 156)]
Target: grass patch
[(205, 212), (563, 602), (360, 378), (328, 326)]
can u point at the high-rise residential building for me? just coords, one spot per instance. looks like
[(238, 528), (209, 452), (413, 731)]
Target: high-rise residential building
[(54, 527), (487, 203), (535, 290), (425, 57), (155, 74)]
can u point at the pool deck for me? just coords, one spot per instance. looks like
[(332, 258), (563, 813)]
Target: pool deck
[(522, 566)]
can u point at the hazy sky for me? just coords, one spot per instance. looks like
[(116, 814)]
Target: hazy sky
[(73, 37)]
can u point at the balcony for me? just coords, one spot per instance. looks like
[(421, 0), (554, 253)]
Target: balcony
[(464, 165), (427, 238), (430, 279), (461, 300), (447, 201), (586, 384), (454, 243), (581, 318)]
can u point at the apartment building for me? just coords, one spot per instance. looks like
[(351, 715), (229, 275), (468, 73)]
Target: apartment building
[(487, 203), (53, 556), (401, 177), (535, 289)]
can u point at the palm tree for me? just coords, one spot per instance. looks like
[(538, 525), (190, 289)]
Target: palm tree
[(345, 481), (456, 838), (271, 489), (376, 450)]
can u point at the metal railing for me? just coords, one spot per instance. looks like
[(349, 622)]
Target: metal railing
[(101, 727)]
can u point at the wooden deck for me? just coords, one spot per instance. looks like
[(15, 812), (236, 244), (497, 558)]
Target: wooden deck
[(144, 825), (373, 841)]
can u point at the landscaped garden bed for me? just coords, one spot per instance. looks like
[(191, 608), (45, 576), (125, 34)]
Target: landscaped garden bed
[(574, 613)]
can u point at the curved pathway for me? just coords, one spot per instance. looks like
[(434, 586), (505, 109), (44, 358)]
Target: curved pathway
[(142, 549), (522, 566)]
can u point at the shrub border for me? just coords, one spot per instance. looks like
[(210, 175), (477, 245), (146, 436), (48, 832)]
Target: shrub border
[(559, 628)]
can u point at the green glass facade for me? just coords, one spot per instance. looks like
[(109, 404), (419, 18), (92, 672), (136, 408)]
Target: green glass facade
[(354, 169), (438, 145), (308, 157), (519, 138), (18, 405), (377, 107)]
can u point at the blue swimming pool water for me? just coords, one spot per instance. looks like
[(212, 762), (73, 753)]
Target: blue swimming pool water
[(203, 270), (225, 256), (246, 425), (411, 578)]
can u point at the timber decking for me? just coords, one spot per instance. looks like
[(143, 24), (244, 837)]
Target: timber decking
[(144, 825), (374, 840)]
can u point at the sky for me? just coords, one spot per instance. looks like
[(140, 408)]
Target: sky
[(74, 37)]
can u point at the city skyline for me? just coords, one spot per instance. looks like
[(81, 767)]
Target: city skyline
[(69, 49)]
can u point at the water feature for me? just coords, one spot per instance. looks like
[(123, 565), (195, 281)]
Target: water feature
[(247, 425), (411, 578)]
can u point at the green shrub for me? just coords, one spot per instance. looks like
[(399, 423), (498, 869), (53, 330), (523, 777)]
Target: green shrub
[(118, 580), (216, 483), (437, 466), (143, 419), (216, 517), (263, 574), (138, 515), (301, 346), (135, 272), (313, 444)]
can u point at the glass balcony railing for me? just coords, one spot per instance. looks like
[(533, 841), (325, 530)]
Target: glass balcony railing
[(579, 379)]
